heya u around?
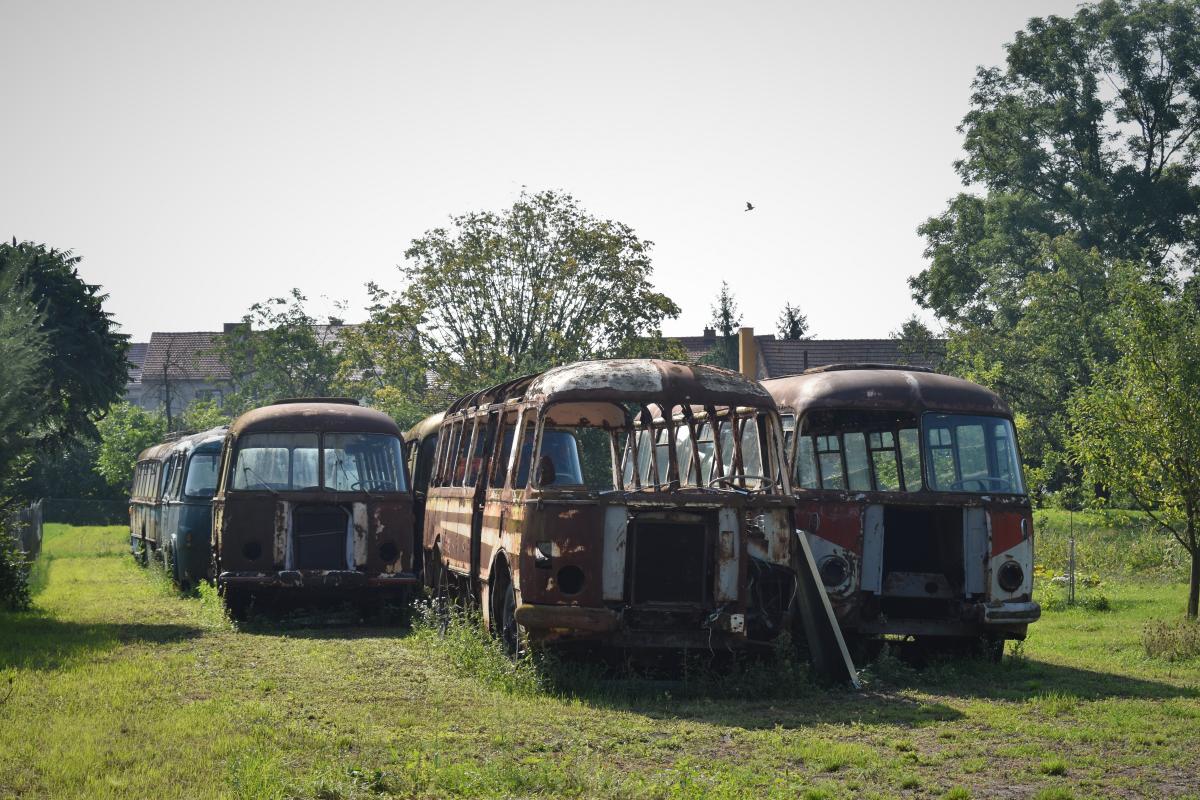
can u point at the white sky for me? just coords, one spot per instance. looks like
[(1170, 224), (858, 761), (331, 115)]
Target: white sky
[(204, 156)]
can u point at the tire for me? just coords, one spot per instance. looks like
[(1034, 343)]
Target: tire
[(510, 633), (439, 591)]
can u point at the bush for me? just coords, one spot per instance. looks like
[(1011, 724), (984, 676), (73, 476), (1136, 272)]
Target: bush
[(14, 572), (1172, 642)]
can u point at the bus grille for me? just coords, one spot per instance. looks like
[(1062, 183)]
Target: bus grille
[(319, 537), (670, 563)]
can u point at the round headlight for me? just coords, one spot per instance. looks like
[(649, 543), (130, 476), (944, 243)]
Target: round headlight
[(570, 580), (834, 571), (1010, 576)]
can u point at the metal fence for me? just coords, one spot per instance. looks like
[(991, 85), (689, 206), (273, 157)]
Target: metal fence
[(28, 529)]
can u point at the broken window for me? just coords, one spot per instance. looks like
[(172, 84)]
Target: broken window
[(363, 462)]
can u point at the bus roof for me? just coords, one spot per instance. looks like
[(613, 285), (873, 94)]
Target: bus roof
[(425, 427), (640, 380), (883, 387), (313, 415)]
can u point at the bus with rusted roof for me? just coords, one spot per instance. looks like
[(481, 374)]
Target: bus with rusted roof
[(633, 503), (313, 500), (910, 491)]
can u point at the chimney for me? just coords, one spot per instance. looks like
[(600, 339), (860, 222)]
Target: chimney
[(710, 333), (747, 353), (229, 326)]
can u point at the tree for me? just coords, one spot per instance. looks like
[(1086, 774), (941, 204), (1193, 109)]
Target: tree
[(917, 342), (1136, 428), (22, 355), (85, 368), (1085, 145), (792, 324), (124, 432), (726, 317), (279, 351), (499, 294), (201, 415)]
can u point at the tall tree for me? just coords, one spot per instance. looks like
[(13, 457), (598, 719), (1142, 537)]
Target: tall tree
[(1086, 146), (498, 294), (918, 342), (22, 356), (279, 351), (85, 369), (1136, 428), (792, 324), (726, 317)]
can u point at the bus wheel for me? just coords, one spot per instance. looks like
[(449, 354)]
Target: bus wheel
[(237, 603), (512, 636), (440, 591)]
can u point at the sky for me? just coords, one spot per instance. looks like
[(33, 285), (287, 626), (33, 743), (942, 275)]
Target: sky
[(201, 157)]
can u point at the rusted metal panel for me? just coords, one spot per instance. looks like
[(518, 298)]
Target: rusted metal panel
[(872, 549), (975, 550), (616, 528), (882, 387), (728, 550)]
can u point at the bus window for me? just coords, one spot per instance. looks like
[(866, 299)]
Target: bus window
[(910, 458), (858, 476), (806, 465), (829, 457)]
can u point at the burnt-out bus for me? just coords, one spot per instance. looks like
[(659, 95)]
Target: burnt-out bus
[(909, 488), (185, 513), (633, 503), (150, 476), (313, 501)]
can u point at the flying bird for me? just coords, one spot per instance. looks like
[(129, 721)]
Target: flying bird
[(749, 206)]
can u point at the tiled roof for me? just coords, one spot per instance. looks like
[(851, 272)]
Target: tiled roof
[(779, 357), (136, 355), (184, 355), (699, 346)]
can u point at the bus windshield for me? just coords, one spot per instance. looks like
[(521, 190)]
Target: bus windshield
[(967, 453)]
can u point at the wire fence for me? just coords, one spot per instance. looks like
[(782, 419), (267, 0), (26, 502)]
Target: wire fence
[(27, 529)]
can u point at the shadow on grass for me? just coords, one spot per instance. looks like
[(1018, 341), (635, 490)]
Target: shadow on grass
[(38, 641)]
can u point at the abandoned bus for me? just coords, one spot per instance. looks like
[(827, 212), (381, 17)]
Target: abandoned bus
[(185, 513), (313, 500), (624, 502), (910, 490), (145, 501)]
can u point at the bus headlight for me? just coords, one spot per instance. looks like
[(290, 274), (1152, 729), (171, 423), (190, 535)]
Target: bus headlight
[(1010, 576), (834, 571)]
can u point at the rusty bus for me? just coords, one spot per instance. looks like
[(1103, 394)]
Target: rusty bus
[(145, 500), (184, 514), (909, 487), (313, 500), (625, 502)]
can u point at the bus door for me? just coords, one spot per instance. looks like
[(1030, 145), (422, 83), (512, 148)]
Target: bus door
[(477, 478)]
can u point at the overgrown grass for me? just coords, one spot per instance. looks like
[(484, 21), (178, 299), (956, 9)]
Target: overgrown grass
[(1108, 543), (123, 688)]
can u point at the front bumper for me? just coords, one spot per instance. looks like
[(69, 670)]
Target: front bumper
[(318, 579), (634, 627), (1011, 613)]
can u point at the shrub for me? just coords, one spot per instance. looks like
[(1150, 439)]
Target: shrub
[(1172, 642), (14, 571)]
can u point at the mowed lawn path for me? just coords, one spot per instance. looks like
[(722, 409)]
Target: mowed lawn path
[(120, 688)]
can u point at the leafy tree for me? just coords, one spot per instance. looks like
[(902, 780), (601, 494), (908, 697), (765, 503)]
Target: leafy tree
[(726, 317), (1136, 428), (85, 368), (22, 355), (792, 324), (280, 351), (1085, 146), (124, 432), (201, 415), (918, 342), (499, 294)]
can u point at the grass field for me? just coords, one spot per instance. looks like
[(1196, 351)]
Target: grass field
[(121, 688)]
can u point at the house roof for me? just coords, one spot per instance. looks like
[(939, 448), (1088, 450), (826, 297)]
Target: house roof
[(136, 355), (779, 357), (184, 355)]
